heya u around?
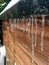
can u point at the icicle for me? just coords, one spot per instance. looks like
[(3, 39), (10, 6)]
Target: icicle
[(7, 27), (23, 25), (14, 23), (42, 32), (26, 25), (32, 43), (11, 24), (29, 28), (32, 24), (32, 53), (32, 49), (35, 30), (17, 23)]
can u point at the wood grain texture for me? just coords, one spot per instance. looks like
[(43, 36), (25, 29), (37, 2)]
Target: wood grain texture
[(19, 47)]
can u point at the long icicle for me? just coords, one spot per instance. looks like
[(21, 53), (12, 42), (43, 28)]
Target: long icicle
[(35, 30), (42, 32), (32, 43)]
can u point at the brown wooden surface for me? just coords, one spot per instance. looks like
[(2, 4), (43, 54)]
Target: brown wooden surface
[(19, 47)]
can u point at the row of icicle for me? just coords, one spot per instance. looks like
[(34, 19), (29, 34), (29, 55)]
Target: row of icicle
[(34, 34)]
